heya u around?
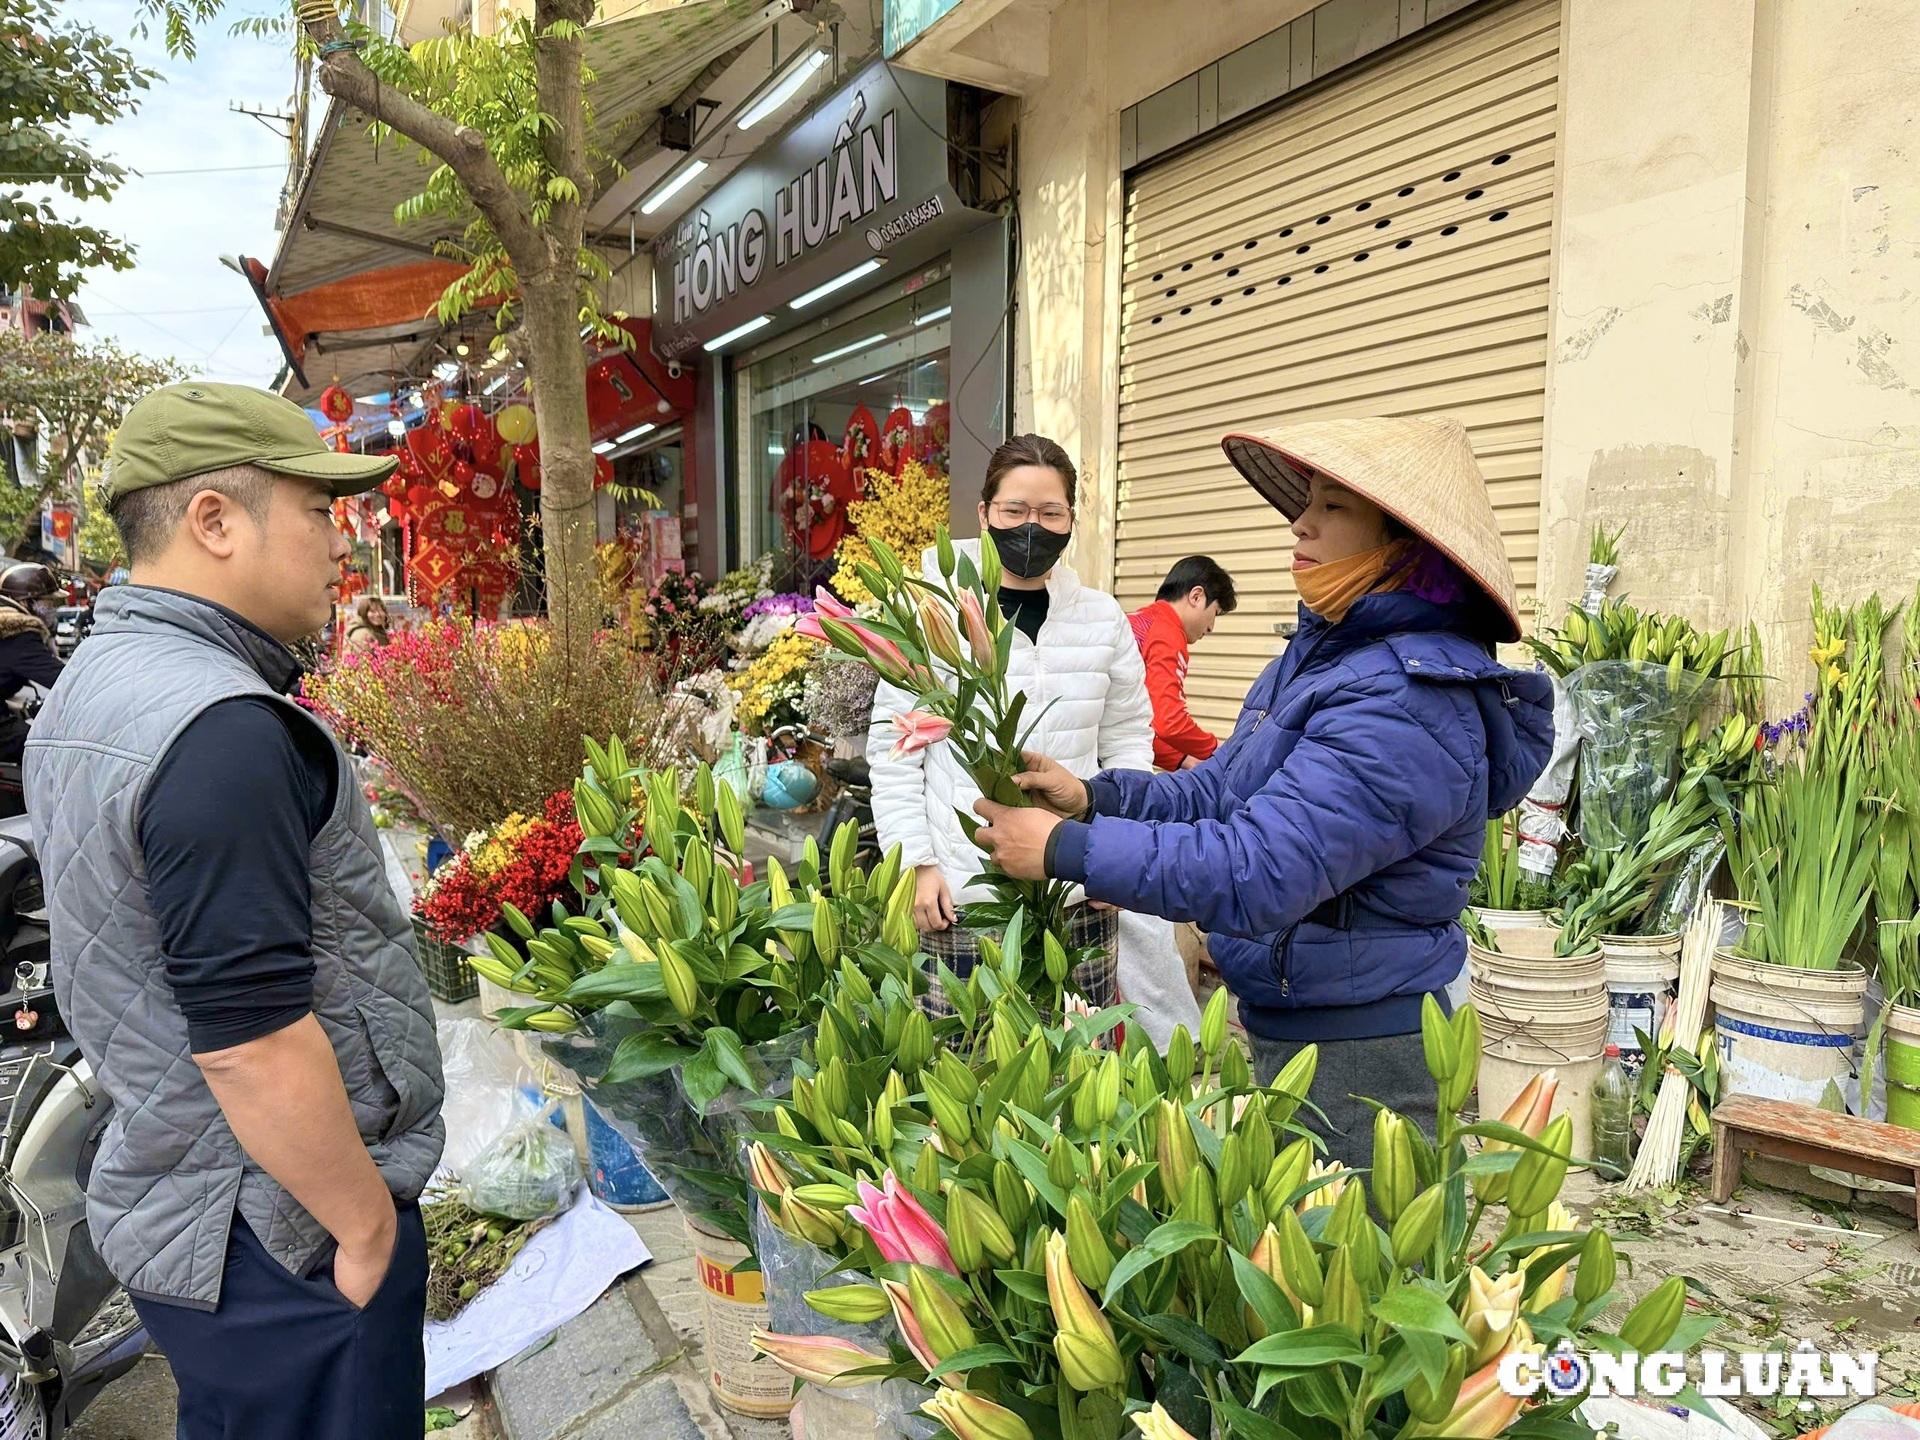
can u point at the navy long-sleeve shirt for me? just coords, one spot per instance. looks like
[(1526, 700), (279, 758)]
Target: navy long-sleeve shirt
[(226, 828)]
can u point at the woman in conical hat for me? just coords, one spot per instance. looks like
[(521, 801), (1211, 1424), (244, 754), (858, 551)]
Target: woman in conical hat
[(1327, 847)]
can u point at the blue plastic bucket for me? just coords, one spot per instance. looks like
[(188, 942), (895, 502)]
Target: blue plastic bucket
[(618, 1178)]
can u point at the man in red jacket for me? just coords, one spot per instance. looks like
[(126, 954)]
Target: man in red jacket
[(1196, 593)]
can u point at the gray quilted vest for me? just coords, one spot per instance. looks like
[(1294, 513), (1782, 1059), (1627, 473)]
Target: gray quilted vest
[(170, 1174)]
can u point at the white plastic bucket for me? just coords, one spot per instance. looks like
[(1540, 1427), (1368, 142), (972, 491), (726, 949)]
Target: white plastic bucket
[(1784, 1032), (1643, 973), (1540, 1014), (1499, 920)]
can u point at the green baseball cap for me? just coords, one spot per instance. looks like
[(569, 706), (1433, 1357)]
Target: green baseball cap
[(179, 431)]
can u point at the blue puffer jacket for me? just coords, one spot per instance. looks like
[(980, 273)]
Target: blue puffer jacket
[(1328, 846)]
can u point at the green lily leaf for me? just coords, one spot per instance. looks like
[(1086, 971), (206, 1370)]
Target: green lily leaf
[(1309, 1349), (1414, 1307), (1169, 1239)]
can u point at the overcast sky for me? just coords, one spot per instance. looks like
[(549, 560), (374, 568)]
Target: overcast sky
[(179, 300)]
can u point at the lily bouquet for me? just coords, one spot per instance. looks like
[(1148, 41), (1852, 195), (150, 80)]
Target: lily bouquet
[(1063, 1241), (946, 643), (683, 991)]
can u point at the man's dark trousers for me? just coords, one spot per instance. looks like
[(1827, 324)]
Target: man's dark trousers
[(287, 1357)]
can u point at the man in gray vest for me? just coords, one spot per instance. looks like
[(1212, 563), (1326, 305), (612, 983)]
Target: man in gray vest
[(226, 948)]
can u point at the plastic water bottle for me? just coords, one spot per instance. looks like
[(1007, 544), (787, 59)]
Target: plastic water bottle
[(1613, 1117)]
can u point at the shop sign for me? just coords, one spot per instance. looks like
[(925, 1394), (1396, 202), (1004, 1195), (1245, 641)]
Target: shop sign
[(862, 176), (908, 20)]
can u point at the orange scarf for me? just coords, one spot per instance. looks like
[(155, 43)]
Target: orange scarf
[(1329, 590)]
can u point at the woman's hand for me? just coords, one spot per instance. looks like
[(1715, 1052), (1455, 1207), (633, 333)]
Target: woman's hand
[(932, 900), (1052, 786)]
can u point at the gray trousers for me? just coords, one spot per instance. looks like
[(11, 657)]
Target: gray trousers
[(1391, 1069)]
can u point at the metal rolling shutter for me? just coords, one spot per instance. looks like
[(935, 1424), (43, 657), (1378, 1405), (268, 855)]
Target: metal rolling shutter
[(1378, 247)]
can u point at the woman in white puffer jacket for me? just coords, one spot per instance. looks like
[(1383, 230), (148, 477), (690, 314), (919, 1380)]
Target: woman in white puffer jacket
[(1075, 657)]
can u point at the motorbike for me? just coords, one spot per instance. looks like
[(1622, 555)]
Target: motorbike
[(71, 624), (67, 1329)]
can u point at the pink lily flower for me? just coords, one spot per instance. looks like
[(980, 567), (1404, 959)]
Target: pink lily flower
[(918, 730), (882, 653), (829, 604), (809, 626), (817, 1359), (902, 1230)]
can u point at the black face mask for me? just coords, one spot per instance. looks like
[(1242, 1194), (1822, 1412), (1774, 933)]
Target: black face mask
[(1028, 550)]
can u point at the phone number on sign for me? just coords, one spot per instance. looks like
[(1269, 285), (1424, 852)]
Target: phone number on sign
[(906, 224)]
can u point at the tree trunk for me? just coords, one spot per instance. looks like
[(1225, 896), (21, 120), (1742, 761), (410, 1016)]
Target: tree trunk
[(568, 505)]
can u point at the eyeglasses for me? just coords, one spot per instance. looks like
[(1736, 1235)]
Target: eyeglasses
[(1019, 512)]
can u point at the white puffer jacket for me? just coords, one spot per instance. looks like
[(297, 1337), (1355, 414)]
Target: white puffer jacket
[(1084, 674)]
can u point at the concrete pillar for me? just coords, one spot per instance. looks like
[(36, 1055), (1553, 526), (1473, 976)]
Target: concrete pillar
[(1643, 382), (1737, 309)]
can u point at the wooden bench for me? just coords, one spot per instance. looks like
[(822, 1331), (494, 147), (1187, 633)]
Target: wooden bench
[(1807, 1135)]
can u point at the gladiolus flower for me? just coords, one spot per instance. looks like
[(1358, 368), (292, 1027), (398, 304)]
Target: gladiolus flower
[(902, 1230), (918, 730), (1157, 1424), (1089, 1356), (829, 604), (817, 1359), (1493, 1308), (979, 637), (974, 1417)]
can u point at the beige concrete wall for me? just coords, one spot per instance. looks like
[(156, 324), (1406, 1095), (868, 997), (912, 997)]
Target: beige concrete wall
[(1104, 56), (1737, 343)]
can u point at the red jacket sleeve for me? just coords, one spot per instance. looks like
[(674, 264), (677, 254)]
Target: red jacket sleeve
[(1176, 734)]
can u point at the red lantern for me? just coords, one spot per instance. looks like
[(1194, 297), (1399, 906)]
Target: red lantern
[(336, 404), (419, 496), (462, 474), (466, 421)]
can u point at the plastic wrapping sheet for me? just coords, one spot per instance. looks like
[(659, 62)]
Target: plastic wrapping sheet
[(693, 1150), (1628, 715), (528, 1173), (1543, 814)]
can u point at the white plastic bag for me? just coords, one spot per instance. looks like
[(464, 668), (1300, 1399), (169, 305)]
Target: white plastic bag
[(528, 1173), (483, 1099)]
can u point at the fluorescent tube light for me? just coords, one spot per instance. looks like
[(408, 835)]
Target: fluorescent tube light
[(849, 349), (604, 446), (783, 90), (688, 174), (635, 433), (837, 283), (719, 342), (936, 315)]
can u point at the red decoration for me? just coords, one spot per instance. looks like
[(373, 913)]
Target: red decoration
[(418, 495), (897, 441), (862, 442), (463, 474), (602, 471), (466, 421), (393, 487), (813, 489), (336, 404), (526, 464)]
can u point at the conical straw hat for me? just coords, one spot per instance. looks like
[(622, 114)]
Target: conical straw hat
[(1421, 471)]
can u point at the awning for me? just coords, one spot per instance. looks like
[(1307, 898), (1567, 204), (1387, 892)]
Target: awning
[(347, 270)]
